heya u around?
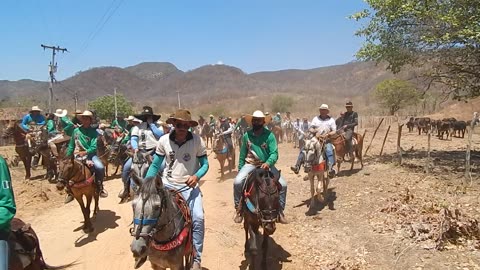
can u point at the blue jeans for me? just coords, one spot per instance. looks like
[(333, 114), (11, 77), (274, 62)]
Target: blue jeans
[(4, 254), (195, 203), (98, 168), (239, 182)]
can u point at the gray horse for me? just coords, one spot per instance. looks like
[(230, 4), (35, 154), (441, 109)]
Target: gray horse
[(162, 226), (315, 168)]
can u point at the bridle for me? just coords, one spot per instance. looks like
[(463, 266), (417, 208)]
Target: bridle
[(73, 172), (265, 215)]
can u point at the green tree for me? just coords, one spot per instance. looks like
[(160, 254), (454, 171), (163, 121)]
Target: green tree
[(441, 37), (395, 94), (281, 103), (105, 106)]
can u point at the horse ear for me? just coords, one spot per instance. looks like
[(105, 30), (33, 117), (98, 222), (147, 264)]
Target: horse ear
[(136, 179), (158, 181)]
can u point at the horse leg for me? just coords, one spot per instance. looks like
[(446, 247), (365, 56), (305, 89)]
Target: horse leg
[(252, 242), (221, 160), (358, 153), (84, 212), (352, 161), (96, 197), (312, 193), (265, 250), (88, 223), (27, 163)]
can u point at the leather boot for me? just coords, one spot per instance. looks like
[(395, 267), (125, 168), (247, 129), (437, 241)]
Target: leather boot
[(281, 218), (101, 191)]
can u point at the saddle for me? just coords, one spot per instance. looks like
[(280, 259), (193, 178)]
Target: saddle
[(24, 242), (185, 234)]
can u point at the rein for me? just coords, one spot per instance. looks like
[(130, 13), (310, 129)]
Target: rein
[(261, 213)]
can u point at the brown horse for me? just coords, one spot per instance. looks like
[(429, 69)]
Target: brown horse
[(104, 150), (38, 143), (25, 251), (78, 177), (261, 208), (220, 147), (21, 147), (206, 132), (278, 132), (341, 149)]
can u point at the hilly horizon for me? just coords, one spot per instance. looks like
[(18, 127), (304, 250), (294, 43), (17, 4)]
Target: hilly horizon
[(219, 88)]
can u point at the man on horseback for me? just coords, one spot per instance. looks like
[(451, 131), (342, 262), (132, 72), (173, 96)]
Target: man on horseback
[(212, 122), (348, 124), (277, 119), (144, 139), (226, 131), (186, 158), (33, 116), (83, 145), (325, 125), (56, 136), (259, 148), (119, 123), (7, 212)]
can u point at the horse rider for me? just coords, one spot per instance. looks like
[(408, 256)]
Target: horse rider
[(339, 120), (277, 119), (325, 125), (186, 156), (144, 138), (53, 134), (258, 148), (287, 116), (7, 212), (75, 119), (119, 124), (241, 124), (128, 129), (212, 122), (32, 116), (348, 124), (226, 130), (83, 145)]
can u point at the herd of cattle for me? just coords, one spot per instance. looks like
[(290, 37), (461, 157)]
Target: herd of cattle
[(447, 126)]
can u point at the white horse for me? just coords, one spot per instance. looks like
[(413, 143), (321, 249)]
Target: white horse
[(314, 166)]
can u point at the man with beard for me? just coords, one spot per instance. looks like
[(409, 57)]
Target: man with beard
[(259, 148)]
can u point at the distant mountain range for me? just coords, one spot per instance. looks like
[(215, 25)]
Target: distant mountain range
[(210, 87)]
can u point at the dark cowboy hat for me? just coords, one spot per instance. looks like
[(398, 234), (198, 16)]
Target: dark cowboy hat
[(147, 111), (349, 104), (182, 115)]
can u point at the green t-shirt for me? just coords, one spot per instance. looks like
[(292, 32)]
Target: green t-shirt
[(122, 124), (83, 139), (67, 125), (7, 199), (264, 146), (51, 126)]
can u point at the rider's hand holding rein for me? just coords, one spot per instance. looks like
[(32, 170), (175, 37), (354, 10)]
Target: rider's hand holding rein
[(265, 166), (192, 181)]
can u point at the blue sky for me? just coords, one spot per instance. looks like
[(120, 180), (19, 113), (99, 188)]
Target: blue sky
[(251, 35)]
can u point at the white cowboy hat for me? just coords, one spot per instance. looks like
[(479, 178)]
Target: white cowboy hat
[(130, 118), (87, 114), (257, 114), (323, 107), (60, 113), (35, 109), (137, 120)]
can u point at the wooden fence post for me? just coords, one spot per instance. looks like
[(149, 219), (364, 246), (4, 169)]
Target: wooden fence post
[(384, 139), (468, 174), (427, 166), (373, 137), (399, 148)]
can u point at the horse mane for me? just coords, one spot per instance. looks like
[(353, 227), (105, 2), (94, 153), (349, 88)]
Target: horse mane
[(149, 186)]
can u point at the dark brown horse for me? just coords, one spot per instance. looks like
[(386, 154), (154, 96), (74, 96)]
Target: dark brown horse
[(206, 132), (38, 144), (278, 132), (25, 251), (220, 147), (78, 177), (21, 147), (341, 149), (261, 208)]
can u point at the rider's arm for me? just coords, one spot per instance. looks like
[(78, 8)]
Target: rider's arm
[(7, 199), (134, 142), (228, 131), (155, 166), (92, 148), (203, 166), (333, 127), (40, 120), (156, 131), (71, 144), (355, 121), (272, 149), (25, 120), (243, 151), (51, 127)]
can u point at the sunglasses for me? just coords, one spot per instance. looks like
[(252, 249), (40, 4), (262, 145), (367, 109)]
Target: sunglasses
[(181, 125)]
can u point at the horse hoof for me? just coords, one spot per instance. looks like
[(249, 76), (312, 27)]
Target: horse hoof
[(88, 229)]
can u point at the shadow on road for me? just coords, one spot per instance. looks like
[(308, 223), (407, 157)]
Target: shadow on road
[(275, 258), (106, 219)]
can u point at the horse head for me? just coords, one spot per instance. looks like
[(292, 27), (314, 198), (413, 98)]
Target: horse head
[(267, 192), (313, 153), (66, 170), (218, 142), (148, 205)]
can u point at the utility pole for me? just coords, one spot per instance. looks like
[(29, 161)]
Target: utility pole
[(52, 71), (178, 97), (115, 101), (75, 97)]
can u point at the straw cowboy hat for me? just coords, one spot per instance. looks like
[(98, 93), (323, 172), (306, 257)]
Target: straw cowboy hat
[(35, 109), (349, 104), (257, 114), (60, 113), (323, 107), (147, 111), (130, 118), (86, 114), (78, 111), (182, 115)]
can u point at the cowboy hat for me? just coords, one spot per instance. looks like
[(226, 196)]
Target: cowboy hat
[(147, 111), (211, 116), (78, 111), (323, 107), (257, 114), (182, 115), (130, 118), (60, 113), (35, 109), (349, 104), (86, 114), (136, 120)]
